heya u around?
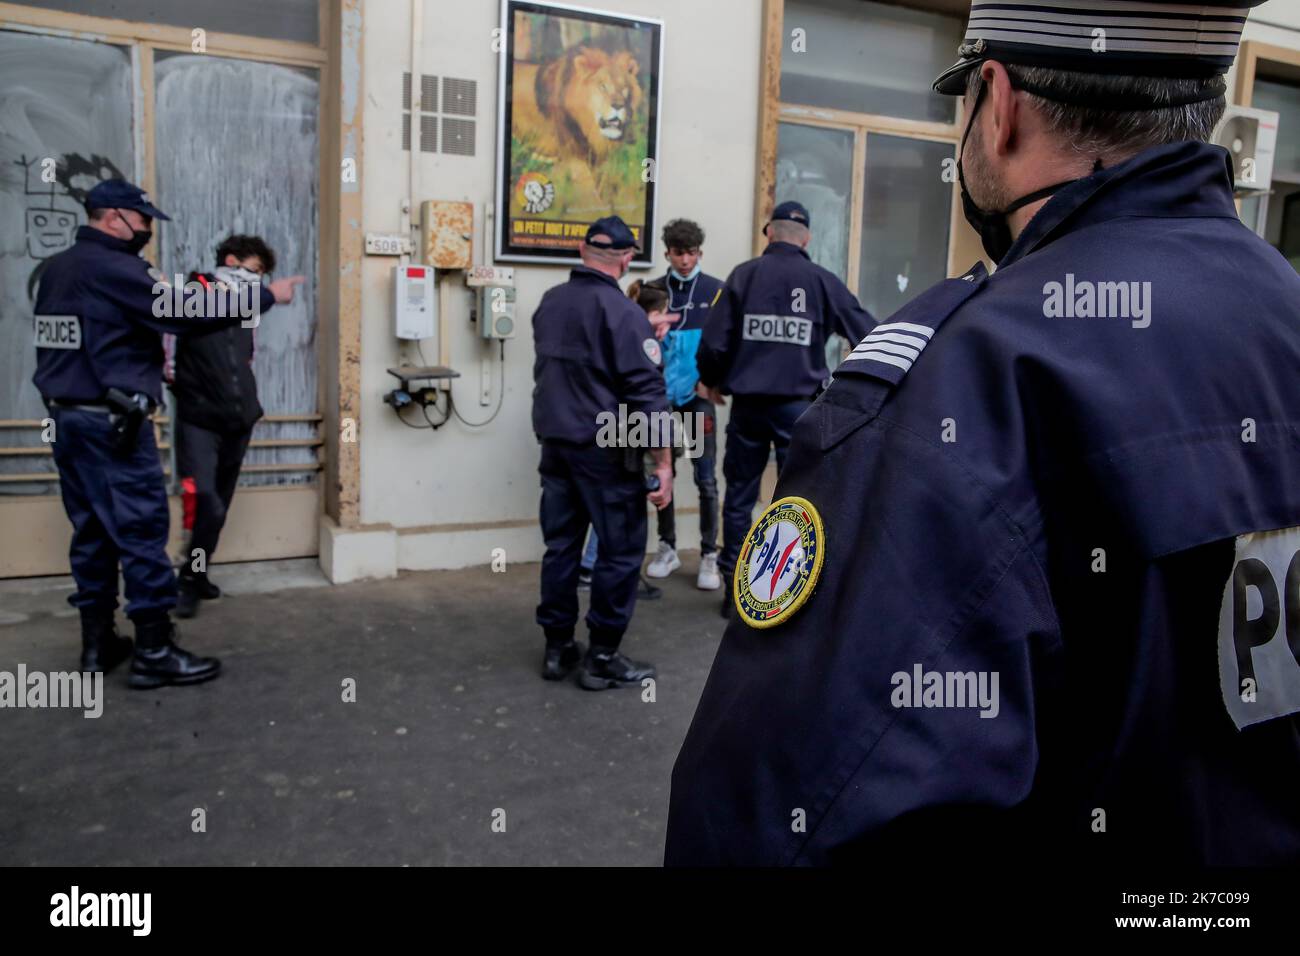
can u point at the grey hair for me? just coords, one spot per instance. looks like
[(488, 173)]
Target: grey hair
[(1108, 133), (786, 230), (606, 256)]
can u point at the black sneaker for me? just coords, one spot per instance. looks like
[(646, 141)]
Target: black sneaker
[(560, 659), (584, 580), (191, 589), (187, 601), (605, 670)]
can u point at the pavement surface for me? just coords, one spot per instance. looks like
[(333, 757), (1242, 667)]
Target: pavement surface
[(452, 730)]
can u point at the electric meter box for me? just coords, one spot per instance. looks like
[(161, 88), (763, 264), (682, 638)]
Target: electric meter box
[(496, 311), (414, 302)]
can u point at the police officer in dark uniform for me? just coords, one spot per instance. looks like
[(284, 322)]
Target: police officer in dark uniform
[(1029, 584), (598, 364), (101, 311), (765, 344)]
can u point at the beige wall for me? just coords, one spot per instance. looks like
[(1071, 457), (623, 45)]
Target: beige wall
[(418, 482)]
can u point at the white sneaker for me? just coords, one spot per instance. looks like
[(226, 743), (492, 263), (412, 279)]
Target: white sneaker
[(708, 579), (664, 563)]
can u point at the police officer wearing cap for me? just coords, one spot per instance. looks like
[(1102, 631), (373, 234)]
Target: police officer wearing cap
[(101, 312), (1030, 587), (598, 363), (765, 344)]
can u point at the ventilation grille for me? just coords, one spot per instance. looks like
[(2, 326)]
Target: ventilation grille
[(457, 136), (441, 122), (429, 133), (459, 97)]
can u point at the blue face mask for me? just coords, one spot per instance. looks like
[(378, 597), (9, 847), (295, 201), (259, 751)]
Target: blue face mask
[(685, 278)]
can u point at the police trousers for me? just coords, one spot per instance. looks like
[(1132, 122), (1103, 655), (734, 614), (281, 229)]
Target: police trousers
[(208, 463), (117, 503), (758, 424), (584, 485)]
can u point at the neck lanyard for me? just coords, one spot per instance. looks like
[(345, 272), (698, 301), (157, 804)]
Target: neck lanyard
[(690, 298)]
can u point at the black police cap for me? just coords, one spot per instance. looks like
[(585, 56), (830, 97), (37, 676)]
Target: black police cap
[(1162, 38), (119, 194), (616, 232), (793, 212)]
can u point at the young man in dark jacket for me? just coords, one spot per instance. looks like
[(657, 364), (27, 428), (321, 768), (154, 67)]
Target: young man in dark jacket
[(216, 408)]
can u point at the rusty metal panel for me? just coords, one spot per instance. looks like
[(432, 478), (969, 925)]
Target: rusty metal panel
[(446, 232)]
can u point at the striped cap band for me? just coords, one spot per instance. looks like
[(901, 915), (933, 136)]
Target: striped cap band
[(1122, 37)]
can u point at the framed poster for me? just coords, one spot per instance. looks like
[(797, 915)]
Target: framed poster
[(577, 128)]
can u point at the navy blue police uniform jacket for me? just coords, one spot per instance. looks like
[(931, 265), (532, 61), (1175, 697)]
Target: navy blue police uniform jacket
[(1100, 511), (766, 334), (115, 298), (595, 351)]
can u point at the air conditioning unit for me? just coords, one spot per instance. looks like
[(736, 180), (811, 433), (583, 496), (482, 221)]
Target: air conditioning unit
[(1250, 135)]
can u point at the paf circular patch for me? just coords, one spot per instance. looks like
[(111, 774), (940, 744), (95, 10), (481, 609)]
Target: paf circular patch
[(779, 562), (651, 349)]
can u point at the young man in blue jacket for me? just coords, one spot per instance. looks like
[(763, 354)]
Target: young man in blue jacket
[(691, 294)]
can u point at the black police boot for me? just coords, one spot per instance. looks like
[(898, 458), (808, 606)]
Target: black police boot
[(562, 653), (102, 648), (560, 660), (158, 661), (728, 604), (191, 589), (606, 668)]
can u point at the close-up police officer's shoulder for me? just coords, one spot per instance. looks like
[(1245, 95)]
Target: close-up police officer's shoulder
[(1091, 450)]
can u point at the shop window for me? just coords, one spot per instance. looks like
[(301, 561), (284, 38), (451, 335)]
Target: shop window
[(265, 114), (68, 124), (281, 20), (905, 221), (1277, 215), (814, 166), (867, 57)]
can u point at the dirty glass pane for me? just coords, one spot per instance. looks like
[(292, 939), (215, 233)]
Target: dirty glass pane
[(814, 166), (65, 124), (905, 218), (868, 58), (277, 20), (242, 158), (1285, 100)]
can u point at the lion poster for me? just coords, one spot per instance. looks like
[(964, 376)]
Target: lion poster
[(578, 128)]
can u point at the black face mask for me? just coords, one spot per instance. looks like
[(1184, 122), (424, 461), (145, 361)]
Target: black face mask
[(139, 237), (994, 230)]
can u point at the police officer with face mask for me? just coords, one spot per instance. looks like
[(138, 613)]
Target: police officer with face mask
[(1028, 589), (765, 344), (101, 312)]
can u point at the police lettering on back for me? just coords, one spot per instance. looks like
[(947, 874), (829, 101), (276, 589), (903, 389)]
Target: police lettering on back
[(765, 346), (98, 332)]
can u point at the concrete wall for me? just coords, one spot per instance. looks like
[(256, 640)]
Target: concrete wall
[(453, 495)]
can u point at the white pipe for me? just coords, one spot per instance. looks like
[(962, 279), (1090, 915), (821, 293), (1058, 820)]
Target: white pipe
[(412, 157)]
